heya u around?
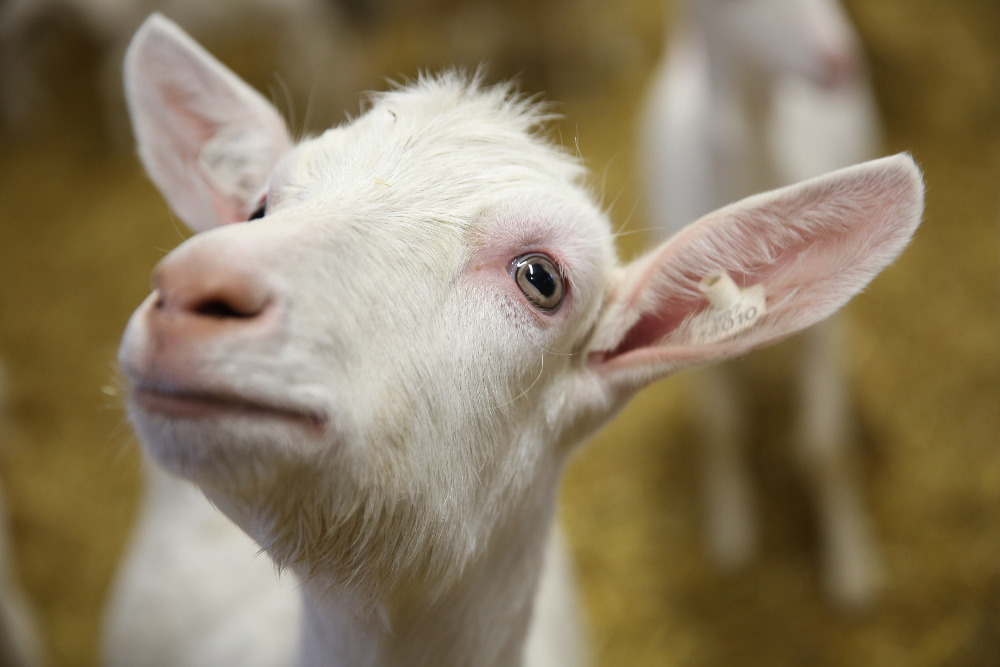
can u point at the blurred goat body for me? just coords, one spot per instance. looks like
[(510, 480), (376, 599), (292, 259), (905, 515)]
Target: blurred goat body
[(20, 642), (751, 96), (304, 35)]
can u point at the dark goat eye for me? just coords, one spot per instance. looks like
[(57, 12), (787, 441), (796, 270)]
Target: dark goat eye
[(260, 212), (540, 279)]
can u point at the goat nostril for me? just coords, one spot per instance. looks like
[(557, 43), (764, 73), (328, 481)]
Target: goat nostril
[(221, 309), (192, 283), (238, 305)]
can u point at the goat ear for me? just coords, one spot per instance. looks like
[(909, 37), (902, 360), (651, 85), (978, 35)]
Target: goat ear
[(207, 139), (756, 271)]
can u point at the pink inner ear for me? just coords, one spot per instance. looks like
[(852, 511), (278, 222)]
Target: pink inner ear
[(189, 131), (206, 138), (648, 330), (812, 247), (683, 299)]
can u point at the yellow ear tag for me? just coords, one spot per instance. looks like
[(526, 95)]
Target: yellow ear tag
[(731, 309)]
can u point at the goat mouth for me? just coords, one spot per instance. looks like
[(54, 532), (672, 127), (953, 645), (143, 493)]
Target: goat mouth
[(188, 404)]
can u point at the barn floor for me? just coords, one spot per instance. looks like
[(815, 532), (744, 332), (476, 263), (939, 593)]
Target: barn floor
[(81, 228)]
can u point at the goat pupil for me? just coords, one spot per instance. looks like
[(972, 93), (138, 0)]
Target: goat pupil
[(541, 279)]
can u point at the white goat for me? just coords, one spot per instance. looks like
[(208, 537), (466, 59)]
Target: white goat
[(380, 378), (20, 644), (752, 95)]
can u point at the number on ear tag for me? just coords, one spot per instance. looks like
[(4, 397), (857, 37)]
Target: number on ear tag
[(731, 309)]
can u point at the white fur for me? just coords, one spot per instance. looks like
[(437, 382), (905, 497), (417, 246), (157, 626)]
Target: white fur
[(358, 382), (186, 548), (752, 95)]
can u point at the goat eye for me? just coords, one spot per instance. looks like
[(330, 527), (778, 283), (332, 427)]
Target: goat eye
[(260, 212), (540, 279)]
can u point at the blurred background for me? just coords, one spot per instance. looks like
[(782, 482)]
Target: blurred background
[(80, 229)]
